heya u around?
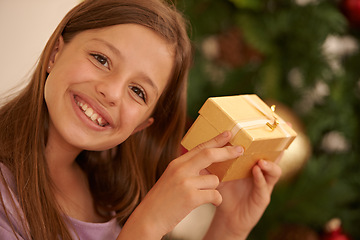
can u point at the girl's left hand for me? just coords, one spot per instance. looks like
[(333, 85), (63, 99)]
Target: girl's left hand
[(245, 200)]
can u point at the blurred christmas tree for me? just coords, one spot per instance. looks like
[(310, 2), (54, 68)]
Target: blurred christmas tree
[(304, 54)]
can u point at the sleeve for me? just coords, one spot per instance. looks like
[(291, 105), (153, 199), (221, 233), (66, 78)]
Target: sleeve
[(6, 233), (11, 216)]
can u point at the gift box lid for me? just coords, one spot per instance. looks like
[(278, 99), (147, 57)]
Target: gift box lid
[(254, 125)]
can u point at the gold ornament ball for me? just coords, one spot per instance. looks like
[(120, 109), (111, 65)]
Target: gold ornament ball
[(298, 153)]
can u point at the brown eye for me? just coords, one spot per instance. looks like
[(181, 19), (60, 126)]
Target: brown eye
[(101, 59), (138, 91)]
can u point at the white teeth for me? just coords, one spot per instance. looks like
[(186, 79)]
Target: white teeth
[(94, 117), (89, 112), (101, 121), (84, 107)]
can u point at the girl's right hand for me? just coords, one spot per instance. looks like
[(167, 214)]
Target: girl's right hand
[(184, 186)]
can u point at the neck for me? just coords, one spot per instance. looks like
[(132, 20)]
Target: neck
[(71, 190), (59, 154)]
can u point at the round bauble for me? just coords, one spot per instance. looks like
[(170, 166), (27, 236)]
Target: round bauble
[(299, 152), (351, 10)]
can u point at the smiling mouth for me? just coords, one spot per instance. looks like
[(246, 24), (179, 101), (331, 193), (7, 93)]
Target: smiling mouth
[(91, 114)]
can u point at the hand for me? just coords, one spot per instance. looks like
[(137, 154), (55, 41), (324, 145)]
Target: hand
[(244, 201), (183, 187)]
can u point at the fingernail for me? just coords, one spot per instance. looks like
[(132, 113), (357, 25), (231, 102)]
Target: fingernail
[(264, 162), (239, 149), (225, 134)]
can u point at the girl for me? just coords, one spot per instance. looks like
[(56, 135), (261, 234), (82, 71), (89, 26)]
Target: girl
[(86, 146)]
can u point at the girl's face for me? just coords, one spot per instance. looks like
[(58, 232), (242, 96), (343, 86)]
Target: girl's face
[(103, 85)]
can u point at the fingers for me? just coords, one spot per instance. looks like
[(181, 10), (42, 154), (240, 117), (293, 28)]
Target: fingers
[(198, 190), (188, 171), (206, 182), (214, 150), (201, 197), (207, 156), (211, 196), (272, 171), (261, 191), (204, 172), (216, 142), (266, 174)]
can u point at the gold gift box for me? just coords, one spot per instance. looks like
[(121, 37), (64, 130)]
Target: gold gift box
[(254, 126)]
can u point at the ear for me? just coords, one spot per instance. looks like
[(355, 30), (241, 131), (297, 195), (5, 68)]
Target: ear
[(144, 125), (54, 53)]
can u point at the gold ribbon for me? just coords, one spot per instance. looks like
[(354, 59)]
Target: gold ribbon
[(272, 122)]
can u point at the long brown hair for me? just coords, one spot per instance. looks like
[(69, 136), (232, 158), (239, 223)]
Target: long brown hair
[(119, 178)]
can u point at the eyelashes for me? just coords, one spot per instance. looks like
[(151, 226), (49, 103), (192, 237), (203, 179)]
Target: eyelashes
[(103, 60), (139, 91)]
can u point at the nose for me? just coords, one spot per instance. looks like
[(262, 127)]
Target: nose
[(110, 91)]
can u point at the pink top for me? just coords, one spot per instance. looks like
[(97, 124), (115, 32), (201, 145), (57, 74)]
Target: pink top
[(84, 230)]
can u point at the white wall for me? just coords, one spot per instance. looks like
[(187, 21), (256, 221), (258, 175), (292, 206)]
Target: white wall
[(25, 26)]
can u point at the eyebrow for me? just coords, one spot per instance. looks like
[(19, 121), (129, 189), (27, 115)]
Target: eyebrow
[(150, 82), (118, 53), (109, 45)]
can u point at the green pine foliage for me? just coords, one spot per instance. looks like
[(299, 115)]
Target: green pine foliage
[(289, 38)]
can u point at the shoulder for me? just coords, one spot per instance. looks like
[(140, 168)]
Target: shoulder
[(7, 178), (11, 216)]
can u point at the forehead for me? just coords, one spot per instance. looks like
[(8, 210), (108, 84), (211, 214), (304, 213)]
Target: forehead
[(136, 32)]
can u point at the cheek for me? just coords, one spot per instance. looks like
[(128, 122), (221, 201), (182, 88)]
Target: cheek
[(134, 115), (50, 90), (79, 72), (71, 72)]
